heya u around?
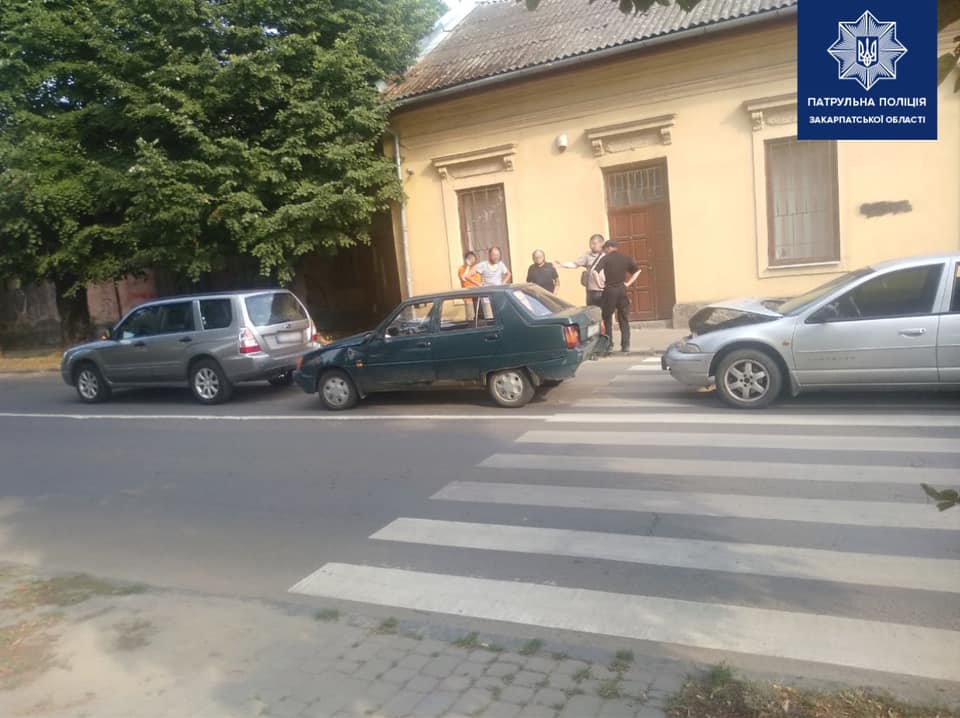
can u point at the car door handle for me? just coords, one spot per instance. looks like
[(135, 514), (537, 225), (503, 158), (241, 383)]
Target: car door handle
[(492, 337), (423, 345), (186, 340), (139, 345), (913, 332)]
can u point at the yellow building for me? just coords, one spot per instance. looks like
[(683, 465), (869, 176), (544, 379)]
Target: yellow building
[(674, 133)]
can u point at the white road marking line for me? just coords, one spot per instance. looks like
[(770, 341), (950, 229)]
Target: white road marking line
[(646, 376), (647, 367), (746, 441), (701, 402), (870, 645), (709, 400), (907, 572), (771, 508), (764, 418), (292, 417), (725, 469)]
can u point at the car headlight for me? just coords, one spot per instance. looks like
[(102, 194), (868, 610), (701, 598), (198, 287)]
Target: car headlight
[(688, 348)]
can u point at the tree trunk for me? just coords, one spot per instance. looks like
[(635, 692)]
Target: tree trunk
[(73, 309)]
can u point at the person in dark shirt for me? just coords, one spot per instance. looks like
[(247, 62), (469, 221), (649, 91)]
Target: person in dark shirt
[(616, 268), (542, 273)]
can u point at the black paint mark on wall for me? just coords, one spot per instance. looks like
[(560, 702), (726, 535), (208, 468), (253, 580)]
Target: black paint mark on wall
[(878, 209)]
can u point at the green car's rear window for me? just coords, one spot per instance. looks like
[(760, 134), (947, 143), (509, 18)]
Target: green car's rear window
[(276, 308), (539, 302)]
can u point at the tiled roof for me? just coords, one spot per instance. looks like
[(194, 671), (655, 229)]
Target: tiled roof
[(498, 38)]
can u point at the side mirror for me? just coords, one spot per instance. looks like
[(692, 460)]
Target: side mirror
[(392, 332), (104, 336)]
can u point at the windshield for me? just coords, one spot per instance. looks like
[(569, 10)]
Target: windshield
[(798, 304), (275, 308), (539, 302)]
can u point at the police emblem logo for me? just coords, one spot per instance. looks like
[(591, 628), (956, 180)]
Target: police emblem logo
[(867, 50)]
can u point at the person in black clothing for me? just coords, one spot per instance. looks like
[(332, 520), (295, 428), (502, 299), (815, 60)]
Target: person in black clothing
[(542, 273), (616, 267)]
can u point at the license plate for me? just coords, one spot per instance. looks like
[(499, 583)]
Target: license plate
[(289, 338), (593, 330)]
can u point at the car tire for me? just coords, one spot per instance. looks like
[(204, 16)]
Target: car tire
[(749, 379), (510, 388), (209, 383), (285, 379), (337, 391), (91, 387)]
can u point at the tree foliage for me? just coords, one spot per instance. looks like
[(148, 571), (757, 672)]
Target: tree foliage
[(186, 133)]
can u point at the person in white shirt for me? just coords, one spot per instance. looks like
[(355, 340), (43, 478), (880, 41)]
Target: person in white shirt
[(592, 281), (491, 271)]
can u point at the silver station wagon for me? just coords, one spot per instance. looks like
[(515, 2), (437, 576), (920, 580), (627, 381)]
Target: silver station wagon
[(208, 342), (893, 325)]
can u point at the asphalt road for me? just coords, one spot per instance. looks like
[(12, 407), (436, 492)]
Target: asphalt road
[(617, 505)]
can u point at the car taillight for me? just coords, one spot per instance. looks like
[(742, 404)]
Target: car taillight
[(248, 342), (314, 334), (571, 333)]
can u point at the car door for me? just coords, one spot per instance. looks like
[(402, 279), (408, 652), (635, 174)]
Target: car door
[(125, 359), (881, 332), (169, 350), (469, 334), (948, 337), (401, 354)]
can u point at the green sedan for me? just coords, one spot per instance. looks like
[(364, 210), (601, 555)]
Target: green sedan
[(510, 339)]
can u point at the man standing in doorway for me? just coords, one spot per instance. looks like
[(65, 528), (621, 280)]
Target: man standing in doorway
[(591, 281), (492, 271), (616, 267)]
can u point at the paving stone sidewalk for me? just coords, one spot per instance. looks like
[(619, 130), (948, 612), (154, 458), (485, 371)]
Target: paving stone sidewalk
[(83, 648)]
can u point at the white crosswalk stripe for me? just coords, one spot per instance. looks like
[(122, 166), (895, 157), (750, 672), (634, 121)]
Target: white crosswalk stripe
[(873, 645), (820, 449), (876, 570), (714, 468), (745, 441)]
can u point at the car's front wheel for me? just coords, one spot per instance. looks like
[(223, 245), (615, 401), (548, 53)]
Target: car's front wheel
[(749, 379), (208, 382), (337, 391), (511, 388), (91, 386)]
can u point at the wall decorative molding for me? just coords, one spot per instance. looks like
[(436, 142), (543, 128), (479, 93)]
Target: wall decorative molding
[(631, 135), (476, 162), (775, 110)]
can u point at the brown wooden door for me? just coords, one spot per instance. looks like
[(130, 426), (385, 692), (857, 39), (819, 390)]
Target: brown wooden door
[(638, 208)]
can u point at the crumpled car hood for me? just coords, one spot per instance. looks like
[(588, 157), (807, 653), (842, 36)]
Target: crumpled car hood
[(350, 341), (734, 313)]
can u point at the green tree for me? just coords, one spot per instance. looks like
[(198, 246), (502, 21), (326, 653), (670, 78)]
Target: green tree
[(192, 134)]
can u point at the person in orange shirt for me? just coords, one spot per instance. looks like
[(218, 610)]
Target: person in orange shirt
[(468, 281)]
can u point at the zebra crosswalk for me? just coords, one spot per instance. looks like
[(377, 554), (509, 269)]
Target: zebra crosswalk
[(800, 533)]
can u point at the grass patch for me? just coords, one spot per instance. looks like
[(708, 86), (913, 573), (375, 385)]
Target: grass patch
[(64, 591), (608, 690), (26, 651), (720, 693), (582, 675), (559, 656), (531, 647), (622, 661), (48, 361), (496, 691), (508, 679), (327, 615), (388, 626), (571, 692), (468, 642), (492, 647)]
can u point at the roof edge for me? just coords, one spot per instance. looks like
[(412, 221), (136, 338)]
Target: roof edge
[(609, 52)]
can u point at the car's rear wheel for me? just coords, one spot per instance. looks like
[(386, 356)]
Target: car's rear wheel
[(90, 384), (285, 379), (510, 388), (749, 379), (337, 391), (208, 382)]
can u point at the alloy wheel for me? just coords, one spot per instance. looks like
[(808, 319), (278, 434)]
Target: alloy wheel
[(747, 380), (88, 384), (207, 383)]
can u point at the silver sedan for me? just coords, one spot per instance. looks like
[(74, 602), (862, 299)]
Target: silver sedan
[(893, 325)]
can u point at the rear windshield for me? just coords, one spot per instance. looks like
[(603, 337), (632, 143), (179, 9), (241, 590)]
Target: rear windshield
[(276, 308), (539, 302)]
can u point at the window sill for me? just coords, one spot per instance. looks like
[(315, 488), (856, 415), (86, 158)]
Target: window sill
[(787, 270)]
